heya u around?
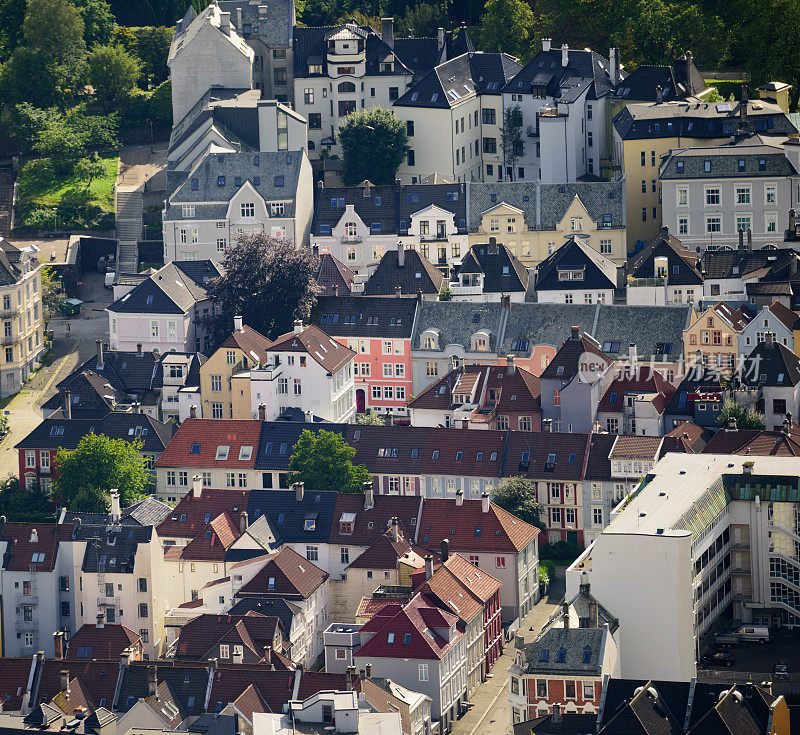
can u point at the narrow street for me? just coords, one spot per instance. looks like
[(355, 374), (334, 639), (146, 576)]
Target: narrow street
[(491, 713), (24, 410)]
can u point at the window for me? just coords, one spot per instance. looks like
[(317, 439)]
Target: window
[(308, 95), (312, 553), (683, 196), (597, 516), (224, 650), (713, 225), (248, 209), (569, 688), (298, 387), (154, 329), (683, 225), (742, 195), (742, 223), (314, 120), (344, 555), (142, 609), (541, 684), (771, 193), (279, 75), (488, 116), (556, 397), (394, 93), (187, 211), (216, 410), (422, 672), (779, 405), (490, 145), (500, 562), (216, 383), (410, 160), (525, 423), (771, 222), (712, 197), (588, 689), (410, 128), (142, 584)]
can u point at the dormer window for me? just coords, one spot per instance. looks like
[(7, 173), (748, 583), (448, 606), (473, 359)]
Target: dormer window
[(222, 452)]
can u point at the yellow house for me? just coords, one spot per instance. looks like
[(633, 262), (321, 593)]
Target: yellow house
[(507, 223), (714, 333), (644, 133), (220, 386)]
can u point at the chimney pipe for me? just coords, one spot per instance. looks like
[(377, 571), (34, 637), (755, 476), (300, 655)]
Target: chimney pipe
[(348, 676), (298, 326), (139, 349), (565, 614), (749, 239), (511, 368), (152, 680), (369, 496), (299, 490), (564, 54), (576, 333), (243, 522), (395, 530), (439, 39), (387, 31), (197, 486), (101, 621), (238, 324), (613, 65), (594, 614), (67, 405), (546, 42), (193, 411), (401, 255), (445, 548), (428, 566), (262, 412), (115, 507), (459, 498), (335, 289), (741, 239), (58, 645), (64, 680), (485, 502), (769, 339), (505, 301), (100, 365), (792, 220), (368, 671), (398, 291), (747, 467)]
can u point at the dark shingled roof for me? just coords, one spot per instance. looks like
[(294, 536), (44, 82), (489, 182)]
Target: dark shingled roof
[(564, 650), (778, 366), (129, 372), (416, 274), (743, 160), (365, 316), (270, 22), (664, 245), (599, 273), (502, 271), (678, 81)]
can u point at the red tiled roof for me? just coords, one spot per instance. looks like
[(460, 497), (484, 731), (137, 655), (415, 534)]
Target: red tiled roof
[(552, 455), (210, 544), (442, 519), (569, 355), (462, 587), (208, 434), (232, 680), (204, 632), (293, 576), (370, 524), (107, 642), (312, 682), (250, 342), (786, 316), (369, 607), (413, 623), (325, 350), (636, 447), (614, 398), (24, 544), (211, 503), (14, 673), (251, 700), (693, 437), (383, 554), (756, 443)]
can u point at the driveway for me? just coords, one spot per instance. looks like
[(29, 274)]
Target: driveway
[(67, 353), (491, 711)]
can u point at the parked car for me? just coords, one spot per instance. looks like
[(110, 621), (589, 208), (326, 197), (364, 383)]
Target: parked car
[(718, 659), (754, 633), (726, 640), (781, 669)]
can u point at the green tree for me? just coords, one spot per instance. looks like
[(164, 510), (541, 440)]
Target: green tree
[(23, 505), (324, 462), (98, 21), (746, 418), (268, 282), (113, 73), (52, 294), (26, 122), (66, 138), (97, 465), (374, 143), (90, 168), (370, 419), (12, 15), (506, 27), (517, 495), (423, 20), (152, 48), (511, 138)]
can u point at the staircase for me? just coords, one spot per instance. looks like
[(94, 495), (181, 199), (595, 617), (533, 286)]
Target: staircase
[(6, 198), (128, 208)]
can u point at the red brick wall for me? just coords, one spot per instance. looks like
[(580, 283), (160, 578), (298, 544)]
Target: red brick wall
[(555, 694)]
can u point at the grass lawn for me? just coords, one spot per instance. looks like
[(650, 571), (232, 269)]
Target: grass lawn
[(37, 186)]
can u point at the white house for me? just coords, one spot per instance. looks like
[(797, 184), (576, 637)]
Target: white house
[(165, 311)]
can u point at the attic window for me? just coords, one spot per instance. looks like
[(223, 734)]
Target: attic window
[(572, 458), (390, 637), (544, 655), (435, 454), (479, 457), (562, 655), (587, 655), (222, 452), (195, 448), (220, 181), (310, 524), (679, 165), (493, 457), (195, 184), (149, 299), (245, 453), (414, 453), (271, 583), (551, 458), (279, 181), (477, 531), (560, 370), (207, 518), (459, 456), (56, 431), (407, 638), (281, 517)]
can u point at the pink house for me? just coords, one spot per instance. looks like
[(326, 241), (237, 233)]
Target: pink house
[(378, 329)]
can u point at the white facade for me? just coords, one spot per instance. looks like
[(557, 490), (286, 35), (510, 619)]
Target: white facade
[(162, 332), (760, 325)]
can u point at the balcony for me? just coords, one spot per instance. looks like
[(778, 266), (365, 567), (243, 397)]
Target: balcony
[(10, 340), (108, 602), (532, 131), (740, 546), (27, 599), (351, 239), (456, 289), (8, 313), (433, 236), (647, 282)]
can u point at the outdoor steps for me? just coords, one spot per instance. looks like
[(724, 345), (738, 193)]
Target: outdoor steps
[(129, 229)]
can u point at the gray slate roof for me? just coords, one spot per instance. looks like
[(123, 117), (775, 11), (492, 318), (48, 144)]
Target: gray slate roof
[(271, 23), (218, 176), (562, 650), (544, 205), (457, 321), (729, 161)]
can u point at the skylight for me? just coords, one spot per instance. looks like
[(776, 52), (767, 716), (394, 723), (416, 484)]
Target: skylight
[(222, 452)]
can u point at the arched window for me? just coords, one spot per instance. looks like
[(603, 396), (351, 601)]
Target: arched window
[(350, 229), (311, 145), (347, 87)]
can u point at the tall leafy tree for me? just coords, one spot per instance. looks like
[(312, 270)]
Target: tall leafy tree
[(324, 462), (12, 14), (51, 294), (374, 143), (97, 465), (511, 138), (506, 27), (517, 495), (745, 418), (269, 282), (98, 21), (113, 73), (23, 505)]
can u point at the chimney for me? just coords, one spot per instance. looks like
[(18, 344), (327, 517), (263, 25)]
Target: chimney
[(395, 530), (315, 249), (511, 368), (505, 301), (335, 289), (613, 65), (576, 334), (584, 584), (152, 680), (58, 645), (665, 230), (238, 325), (401, 255), (749, 239), (101, 621), (594, 614), (445, 548), (139, 349), (64, 680), (67, 405), (419, 295), (485, 502), (732, 423), (368, 671), (298, 326), (309, 417), (225, 23), (428, 566), (792, 220), (348, 677), (465, 423), (193, 411), (398, 291), (659, 94), (769, 339), (556, 713), (547, 425), (299, 489), (546, 43), (747, 467), (197, 486), (100, 365), (243, 522), (565, 614), (459, 497), (125, 657), (741, 239), (787, 424), (743, 111), (564, 54), (439, 40), (493, 249), (387, 31), (115, 508), (262, 412), (369, 496), (632, 359)]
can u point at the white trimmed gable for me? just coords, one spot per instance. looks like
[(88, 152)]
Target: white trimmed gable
[(238, 211), (350, 218)]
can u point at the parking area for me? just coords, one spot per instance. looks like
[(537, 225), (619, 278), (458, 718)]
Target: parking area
[(761, 658)]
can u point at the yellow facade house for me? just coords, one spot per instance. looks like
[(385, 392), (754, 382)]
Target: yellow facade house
[(714, 334), (222, 394)]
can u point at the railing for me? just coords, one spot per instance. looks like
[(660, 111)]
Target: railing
[(351, 239), (27, 599), (10, 340), (645, 282), (532, 131), (458, 290), (8, 313), (108, 602)]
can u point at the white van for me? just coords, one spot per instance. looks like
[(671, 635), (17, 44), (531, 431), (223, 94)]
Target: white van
[(757, 633)]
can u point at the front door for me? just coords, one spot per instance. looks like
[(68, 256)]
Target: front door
[(361, 401), (572, 537)]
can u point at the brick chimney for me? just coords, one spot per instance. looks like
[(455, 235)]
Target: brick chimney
[(299, 490), (58, 644), (197, 486)]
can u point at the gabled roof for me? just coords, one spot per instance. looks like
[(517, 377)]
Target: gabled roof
[(567, 650), (326, 351), (271, 607), (469, 529), (385, 553), (560, 456), (369, 524), (14, 675), (188, 682), (248, 340), (776, 366), (292, 576), (203, 633), (93, 682), (694, 438), (91, 395), (730, 263), (32, 545), (198, 443), (292, 521), (14, 263), (614, 398), (598, 272), (461, 587), (502, 271), (211, 542), (456, 321), (567, 361), (174, 289), (129, 372), (416, 274), (334, 276), (737, 319), (647, 713), (756, 443), (636, 447), (192, 515), (365, 316), (750, 160), (279, 437), (682, 264), (104, 642), (678, 81)]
